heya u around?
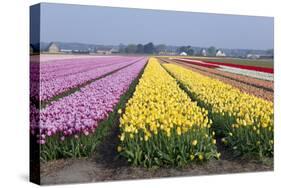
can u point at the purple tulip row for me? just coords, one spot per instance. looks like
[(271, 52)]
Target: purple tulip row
[(75, 70), (65, 64), (80, 113), (53, 87), (72, 66)]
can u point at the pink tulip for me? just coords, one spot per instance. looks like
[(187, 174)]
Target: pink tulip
[(81, 111)]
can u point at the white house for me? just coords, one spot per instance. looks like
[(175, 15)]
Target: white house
[(203, 52), (220, 53), (183, 54)]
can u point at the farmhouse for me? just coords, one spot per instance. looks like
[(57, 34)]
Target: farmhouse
[(220, 53), (203, 52), (183, 54), (53, 48)]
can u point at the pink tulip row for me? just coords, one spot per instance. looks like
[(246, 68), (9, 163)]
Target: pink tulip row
[(81, 112), (51, 57), (75, 70), (56, 86), (65, 64), (74, 66)]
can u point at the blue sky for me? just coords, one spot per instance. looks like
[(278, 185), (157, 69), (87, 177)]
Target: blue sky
[(105, 25)]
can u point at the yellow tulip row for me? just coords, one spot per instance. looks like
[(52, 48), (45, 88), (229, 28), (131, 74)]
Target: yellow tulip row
[(161, 125), (245, 120)]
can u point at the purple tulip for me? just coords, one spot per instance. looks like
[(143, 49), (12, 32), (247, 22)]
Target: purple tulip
[(57, 77), (49, 133), (62, 138), (80, 112)]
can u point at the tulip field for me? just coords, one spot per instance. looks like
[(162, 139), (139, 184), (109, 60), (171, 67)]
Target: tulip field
[(244, 121), (161, 125), (168, 111)]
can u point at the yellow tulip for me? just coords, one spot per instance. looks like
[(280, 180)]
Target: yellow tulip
[(194, 142), (119, 148)]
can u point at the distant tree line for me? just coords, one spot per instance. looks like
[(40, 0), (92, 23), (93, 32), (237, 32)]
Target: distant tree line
[(148, 48), (212, 51)]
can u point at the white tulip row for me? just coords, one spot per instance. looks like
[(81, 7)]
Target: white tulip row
[(250, 73)]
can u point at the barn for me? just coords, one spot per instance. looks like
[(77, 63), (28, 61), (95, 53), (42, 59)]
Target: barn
[(53, 48), (220, 53)]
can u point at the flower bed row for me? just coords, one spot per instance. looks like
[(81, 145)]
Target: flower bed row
[(71, 70), (59, 85), (58, 66), (54, 70), (249, 73), (78, 115), (244, 121), (162, 126), (197, 62), (45, 58), (246, 67), (264, 93), (268, 85)]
